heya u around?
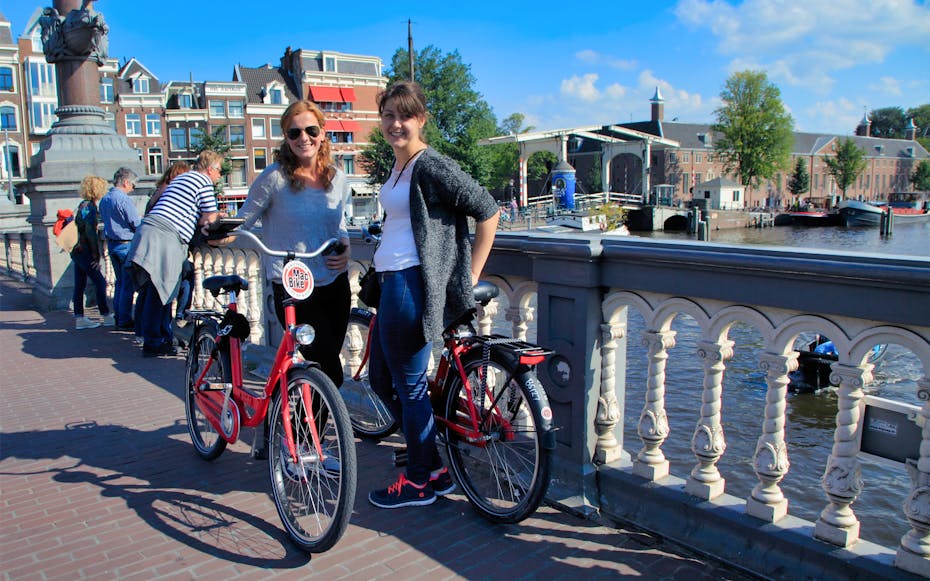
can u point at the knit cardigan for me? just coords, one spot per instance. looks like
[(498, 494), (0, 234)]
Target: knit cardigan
[(442, 198)]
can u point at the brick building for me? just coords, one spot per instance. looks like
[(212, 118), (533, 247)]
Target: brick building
[(889, 162), (166, 121)]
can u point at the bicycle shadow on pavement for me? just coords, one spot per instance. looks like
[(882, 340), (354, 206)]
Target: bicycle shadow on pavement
[(163, 481)]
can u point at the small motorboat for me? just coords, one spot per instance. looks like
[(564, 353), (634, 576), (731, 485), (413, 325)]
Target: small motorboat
[(814, 365)]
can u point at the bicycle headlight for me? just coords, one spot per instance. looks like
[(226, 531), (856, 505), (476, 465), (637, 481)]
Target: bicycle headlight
[(304, 334)]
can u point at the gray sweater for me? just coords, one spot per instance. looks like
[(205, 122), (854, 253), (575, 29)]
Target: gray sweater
[(296, 220), (442, 198)]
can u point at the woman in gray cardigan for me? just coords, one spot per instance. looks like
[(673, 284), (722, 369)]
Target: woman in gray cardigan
[(427, 267)]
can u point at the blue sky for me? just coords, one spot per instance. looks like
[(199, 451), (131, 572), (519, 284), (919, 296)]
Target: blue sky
[(561, 67)]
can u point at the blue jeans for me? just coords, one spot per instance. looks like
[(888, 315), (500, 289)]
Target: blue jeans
[(398, 367), (82, 270), (156, 318), (123, 288)]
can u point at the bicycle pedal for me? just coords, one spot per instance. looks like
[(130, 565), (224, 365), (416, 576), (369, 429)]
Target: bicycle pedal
[(215, 386), (400, 457)]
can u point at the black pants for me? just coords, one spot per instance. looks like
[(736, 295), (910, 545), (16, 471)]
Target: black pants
[(327, 311)]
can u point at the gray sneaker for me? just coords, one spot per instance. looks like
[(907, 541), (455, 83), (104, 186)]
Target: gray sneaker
[(85, 323)]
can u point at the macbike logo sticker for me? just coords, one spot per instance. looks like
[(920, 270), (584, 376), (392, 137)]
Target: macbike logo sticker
[(297, 279)]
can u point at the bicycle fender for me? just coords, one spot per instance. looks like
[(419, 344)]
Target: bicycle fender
[(536, 391)]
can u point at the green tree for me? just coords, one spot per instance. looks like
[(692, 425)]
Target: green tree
[(921, 176), (215, 141), (377, 158), (888, 122), (846, 165), (756, 133), (800, 181)]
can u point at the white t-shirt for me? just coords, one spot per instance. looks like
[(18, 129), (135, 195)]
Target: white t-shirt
[(398, 250)]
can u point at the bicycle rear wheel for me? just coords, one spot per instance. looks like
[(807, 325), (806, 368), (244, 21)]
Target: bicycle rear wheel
[(208, 443), (370, 417), (506, 474), (314, 495)]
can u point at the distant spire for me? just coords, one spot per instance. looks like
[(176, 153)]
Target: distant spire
[(910, 130), (865, 126), (657, 98), (658, 106)]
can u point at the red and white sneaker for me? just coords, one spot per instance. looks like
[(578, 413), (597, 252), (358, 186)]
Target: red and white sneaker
[(403, 493)]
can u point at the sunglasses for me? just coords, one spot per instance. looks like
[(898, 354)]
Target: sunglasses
[(312, 131)]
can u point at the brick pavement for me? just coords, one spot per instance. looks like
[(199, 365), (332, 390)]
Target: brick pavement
[(98, 480)]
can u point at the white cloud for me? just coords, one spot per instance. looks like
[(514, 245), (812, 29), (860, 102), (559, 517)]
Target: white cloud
[(840, 117), (581, 87), (592, 57), (888, 86), (802, 43), (587, 56)]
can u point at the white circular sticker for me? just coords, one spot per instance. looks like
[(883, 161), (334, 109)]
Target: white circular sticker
[(297, 279)]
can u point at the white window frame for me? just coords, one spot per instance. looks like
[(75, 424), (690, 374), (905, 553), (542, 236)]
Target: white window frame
[(152, 124), (258, 128), (134, 125)]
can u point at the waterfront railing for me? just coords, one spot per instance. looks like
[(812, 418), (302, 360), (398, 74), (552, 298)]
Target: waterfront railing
[(578, 295)]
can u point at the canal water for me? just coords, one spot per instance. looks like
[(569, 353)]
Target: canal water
[(811, 417)]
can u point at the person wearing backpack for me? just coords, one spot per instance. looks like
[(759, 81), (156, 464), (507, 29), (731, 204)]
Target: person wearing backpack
[(85, 255)]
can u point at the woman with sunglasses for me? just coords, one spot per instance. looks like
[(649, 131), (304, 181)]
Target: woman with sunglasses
[(427, 267), (301, 201)]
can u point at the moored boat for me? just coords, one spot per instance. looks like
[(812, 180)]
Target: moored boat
[(814, 218), (906, 206)]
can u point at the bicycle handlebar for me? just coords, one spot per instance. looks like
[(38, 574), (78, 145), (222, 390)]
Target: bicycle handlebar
[(227, 226)]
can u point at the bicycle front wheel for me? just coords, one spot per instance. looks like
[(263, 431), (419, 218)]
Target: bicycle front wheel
[(505, 473), (370, 417), (208, 443), (313, 492)]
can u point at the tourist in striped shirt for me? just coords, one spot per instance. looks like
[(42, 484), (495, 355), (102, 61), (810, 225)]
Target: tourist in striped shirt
[(159, 247)]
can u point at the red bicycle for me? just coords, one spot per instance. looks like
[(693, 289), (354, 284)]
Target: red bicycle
[(492, 414), (311, 450)]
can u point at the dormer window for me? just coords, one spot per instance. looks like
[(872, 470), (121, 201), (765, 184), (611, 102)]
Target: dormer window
[(909, 151), (140, 85), (185, 101), (273, 94), (880, 149)]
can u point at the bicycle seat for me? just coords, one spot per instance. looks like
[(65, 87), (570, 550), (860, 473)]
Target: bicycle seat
[(485, 291), (225, 282)]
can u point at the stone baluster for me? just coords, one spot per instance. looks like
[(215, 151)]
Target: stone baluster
[(520, 318), (208, 256), (253, 270), (607, 449), (197, 291), (486, 317), (708, 442), (650, 463), (842, 478), (236, 260), (770, 460), (914, 552)]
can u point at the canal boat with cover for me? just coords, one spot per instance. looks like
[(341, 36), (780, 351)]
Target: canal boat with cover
[(907, 207)]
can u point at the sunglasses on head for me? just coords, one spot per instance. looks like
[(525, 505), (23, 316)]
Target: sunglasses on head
[(312, 131)]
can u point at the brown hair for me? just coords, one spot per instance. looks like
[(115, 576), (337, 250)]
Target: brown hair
[(93, 188), (174, 170), (285, 156), (408, 97)]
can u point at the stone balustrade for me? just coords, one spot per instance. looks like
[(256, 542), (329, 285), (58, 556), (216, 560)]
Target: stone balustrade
[(574, 294)]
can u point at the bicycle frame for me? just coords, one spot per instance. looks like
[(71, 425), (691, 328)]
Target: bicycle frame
[(217, 404), (457, 344)]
